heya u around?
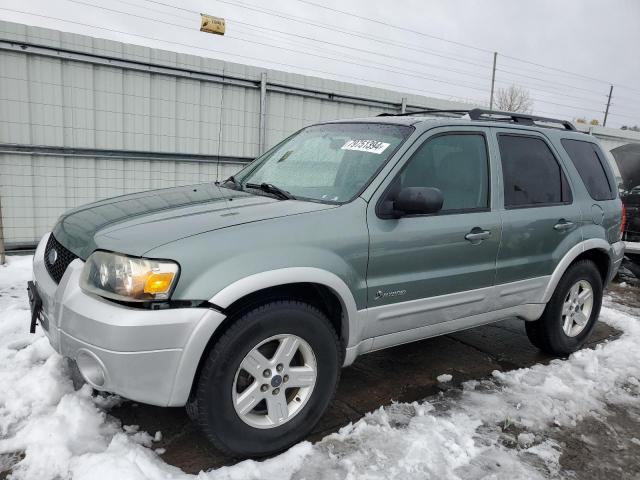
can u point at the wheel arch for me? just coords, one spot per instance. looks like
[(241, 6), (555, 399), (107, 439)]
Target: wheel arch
[(318, 287), (595, 249), (327, 285)]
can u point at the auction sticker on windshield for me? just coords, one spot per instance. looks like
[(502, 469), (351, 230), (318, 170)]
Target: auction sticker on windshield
[(370, 146)]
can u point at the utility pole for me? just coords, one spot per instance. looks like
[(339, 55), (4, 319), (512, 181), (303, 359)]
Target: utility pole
[(493, 79), (606, 112)]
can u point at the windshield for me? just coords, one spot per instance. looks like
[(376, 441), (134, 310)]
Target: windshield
[(330, 162)]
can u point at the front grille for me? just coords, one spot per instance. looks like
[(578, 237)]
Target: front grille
[(57, 262)]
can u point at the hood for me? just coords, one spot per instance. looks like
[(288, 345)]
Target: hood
[(134, 224)]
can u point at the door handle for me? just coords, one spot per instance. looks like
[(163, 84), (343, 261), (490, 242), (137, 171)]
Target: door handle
[(477, 235), (563, 225)]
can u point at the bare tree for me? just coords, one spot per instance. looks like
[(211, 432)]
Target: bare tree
[(514, 99)]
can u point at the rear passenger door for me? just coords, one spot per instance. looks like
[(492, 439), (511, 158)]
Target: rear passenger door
[(540, 218)]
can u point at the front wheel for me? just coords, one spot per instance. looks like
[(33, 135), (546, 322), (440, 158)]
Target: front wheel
[(268, 379), (571, 314)]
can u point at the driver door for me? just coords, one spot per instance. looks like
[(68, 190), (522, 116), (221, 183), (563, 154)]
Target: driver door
[(427, 269)]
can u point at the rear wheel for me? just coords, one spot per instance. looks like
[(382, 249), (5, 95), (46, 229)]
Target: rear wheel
[(268, 379), (571, 314)]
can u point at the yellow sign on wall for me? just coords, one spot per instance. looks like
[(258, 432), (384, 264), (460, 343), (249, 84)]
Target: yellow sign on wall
[(211, 24)]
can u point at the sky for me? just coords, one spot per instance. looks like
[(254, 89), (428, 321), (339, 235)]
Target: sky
[(566, 53)]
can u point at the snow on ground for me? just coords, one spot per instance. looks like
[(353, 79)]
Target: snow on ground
[(493, 428)]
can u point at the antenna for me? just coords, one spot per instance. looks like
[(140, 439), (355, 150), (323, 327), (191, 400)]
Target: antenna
[(220, 126)]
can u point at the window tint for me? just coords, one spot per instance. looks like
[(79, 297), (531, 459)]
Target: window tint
[(532, 175), (457, 164), (588, 160)]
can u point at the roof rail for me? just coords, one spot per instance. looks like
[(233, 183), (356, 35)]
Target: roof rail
[(492, 116), (519, 118), (435, 111)]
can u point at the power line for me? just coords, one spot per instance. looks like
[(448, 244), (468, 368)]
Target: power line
[(553, 82), (390, 70), (405, 29), (173, 15), (269, 45), (304, 37), (382, 40), (379, 22), (369, 64), (197, 47), (355, 63), (378, 39), (634, 117), (564, 71), (548, 92), (547, 81)]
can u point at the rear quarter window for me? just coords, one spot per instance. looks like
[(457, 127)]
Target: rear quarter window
[(589, 161)]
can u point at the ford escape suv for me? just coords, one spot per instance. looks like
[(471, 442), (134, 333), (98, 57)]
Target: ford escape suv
[(242, 300)]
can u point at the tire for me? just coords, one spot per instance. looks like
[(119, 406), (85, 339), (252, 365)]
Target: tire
[(256, 432), (549, 333)]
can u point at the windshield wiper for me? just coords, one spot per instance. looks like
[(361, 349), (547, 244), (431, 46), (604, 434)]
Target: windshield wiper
[(271, 188)]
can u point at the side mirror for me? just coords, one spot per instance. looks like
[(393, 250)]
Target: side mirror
[(416, 201)]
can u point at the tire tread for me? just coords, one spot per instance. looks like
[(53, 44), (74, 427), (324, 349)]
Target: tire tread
[(238, 324)]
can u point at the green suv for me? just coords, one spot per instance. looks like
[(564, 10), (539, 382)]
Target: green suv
[(242, 300)]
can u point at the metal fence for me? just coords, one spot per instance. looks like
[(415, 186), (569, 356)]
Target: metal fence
[(83, 118)]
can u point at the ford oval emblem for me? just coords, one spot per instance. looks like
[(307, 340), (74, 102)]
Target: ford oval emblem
[(52, 256)]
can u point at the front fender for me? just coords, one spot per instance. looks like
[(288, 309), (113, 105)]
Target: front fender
[(328, 247), (283, 276)]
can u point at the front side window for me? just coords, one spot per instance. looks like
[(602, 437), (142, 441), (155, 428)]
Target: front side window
[(588, 160), (457, 165), (532, 175), (330, 162)]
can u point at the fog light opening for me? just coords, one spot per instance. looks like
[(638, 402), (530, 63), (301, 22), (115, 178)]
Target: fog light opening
[(91, 368)]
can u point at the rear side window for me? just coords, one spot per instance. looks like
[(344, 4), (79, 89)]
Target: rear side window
[(532, 175), (588, 160)]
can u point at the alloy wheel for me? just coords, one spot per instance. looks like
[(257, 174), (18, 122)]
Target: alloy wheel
[(274, 381), (577, 307)]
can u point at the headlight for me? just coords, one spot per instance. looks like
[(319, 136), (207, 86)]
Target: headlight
[(129, 279)]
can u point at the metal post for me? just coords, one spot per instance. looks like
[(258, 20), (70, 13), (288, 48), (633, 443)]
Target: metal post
[(1, 237), (263, 113), (403, 105), (493, 79), (606, 112)]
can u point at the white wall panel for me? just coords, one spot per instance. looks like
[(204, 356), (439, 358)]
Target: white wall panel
[(73, 103)]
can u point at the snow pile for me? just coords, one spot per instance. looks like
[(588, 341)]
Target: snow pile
[(497, 428)]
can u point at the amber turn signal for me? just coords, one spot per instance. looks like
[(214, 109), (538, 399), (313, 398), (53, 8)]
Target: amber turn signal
[(158, 283)]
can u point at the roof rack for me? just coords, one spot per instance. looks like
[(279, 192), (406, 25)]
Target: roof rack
[(519, 118), (435, 111), (492, 116)]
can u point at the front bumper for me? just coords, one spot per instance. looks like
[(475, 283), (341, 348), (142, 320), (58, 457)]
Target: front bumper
[(632, 247), (150, 356)]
